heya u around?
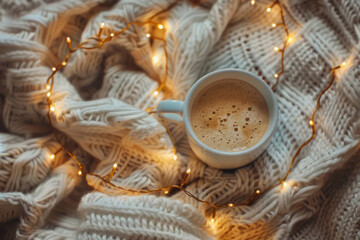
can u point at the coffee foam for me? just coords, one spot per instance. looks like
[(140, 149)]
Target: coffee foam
[(230, 116)]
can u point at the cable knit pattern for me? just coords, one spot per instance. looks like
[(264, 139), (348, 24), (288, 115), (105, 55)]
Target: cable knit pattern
[(101, 97), (143, 217)]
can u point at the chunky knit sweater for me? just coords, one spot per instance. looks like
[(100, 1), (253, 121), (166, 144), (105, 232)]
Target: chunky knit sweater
[(101, 97)]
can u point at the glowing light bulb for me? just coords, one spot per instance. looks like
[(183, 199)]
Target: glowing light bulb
[(276, 75), (80, 172), (257, 191), (268, 10), (188, 171), (160, 26), (156, 93), (53, 69), (311, 122), (212, 220), (276, 49), (148, 35), (52, 108), (115, 165), (102, 25), (68, 39), (273, 25), (343, 64), (63, 63), (252, 2), (284, 183), (174, 157), (166, 192), (52, 156), (290, 39), (47, 86), (155, 59), (48, 94), (112, 34), (230, 205)]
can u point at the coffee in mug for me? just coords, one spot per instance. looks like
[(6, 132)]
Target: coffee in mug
[(230, 115)]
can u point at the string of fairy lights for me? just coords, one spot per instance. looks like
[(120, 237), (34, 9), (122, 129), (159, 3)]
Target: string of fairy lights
[(99, 40), (288, 39)]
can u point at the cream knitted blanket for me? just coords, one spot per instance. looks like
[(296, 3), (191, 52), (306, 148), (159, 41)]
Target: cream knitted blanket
[(101, 96)]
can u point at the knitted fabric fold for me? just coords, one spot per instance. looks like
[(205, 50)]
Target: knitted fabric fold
[(102, 95)]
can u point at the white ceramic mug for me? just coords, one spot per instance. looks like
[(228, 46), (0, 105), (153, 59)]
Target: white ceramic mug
[(181, 112)]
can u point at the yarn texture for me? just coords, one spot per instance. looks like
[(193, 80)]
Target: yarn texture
[(101, 97)]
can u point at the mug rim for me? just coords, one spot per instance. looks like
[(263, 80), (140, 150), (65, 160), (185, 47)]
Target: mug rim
[(269, 132)]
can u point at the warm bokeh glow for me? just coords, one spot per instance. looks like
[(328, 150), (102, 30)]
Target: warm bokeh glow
[(155, 59)]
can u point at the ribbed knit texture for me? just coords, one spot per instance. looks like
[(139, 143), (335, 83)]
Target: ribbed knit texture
[(100, 101)]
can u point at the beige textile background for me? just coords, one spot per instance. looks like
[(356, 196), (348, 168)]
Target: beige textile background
[(101, 96)]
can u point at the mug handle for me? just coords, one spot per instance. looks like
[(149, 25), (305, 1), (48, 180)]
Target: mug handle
[(171, 110)]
